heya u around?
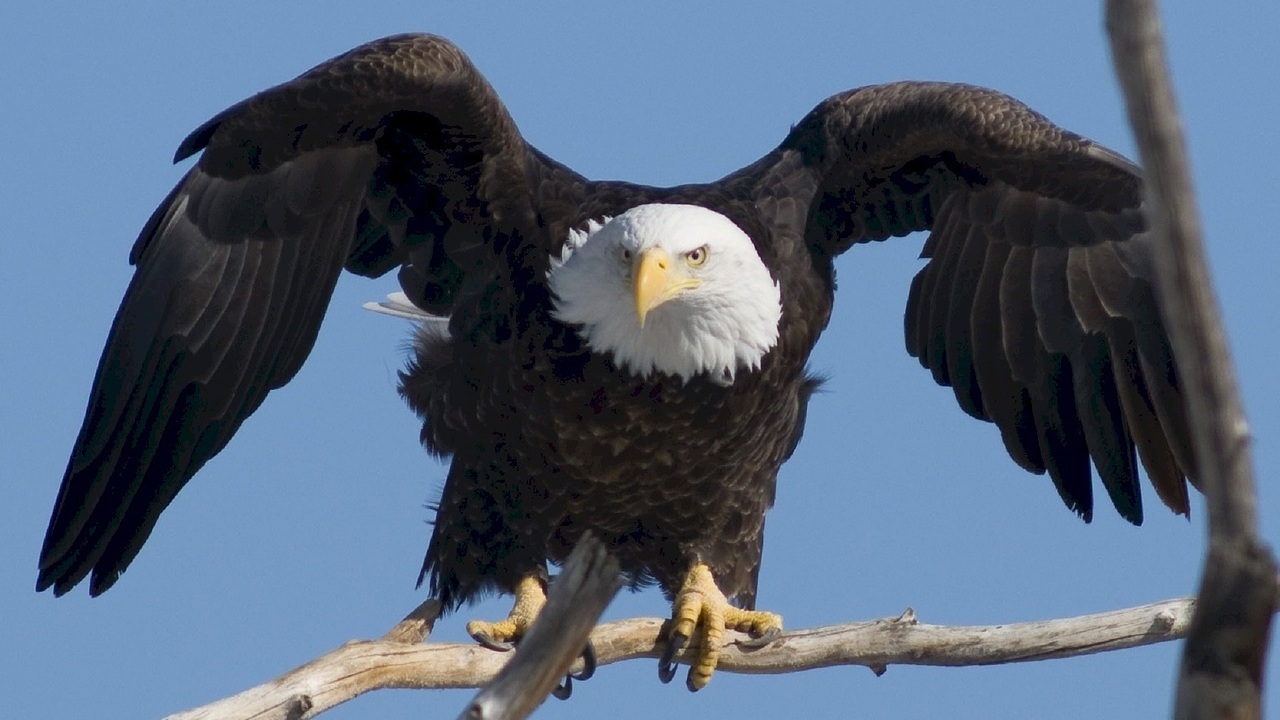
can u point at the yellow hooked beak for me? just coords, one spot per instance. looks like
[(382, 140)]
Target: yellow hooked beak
[(656, 279)]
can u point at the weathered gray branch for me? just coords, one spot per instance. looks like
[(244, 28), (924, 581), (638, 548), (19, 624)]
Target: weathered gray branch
[(1222, 665), (361, 666), (590, 579)]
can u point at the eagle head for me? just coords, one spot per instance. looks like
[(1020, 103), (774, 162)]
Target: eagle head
[(677, 289)]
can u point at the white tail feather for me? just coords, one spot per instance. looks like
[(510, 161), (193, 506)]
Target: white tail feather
[(398, 305)]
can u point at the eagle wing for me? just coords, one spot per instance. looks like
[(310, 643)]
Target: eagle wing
[(1037, 304), (396, 154)]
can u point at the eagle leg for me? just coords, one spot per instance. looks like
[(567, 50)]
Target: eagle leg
[(531, 595), (700, 605)]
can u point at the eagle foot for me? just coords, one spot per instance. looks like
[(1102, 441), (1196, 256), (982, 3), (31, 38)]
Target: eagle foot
[(504, 635), (531, 595), (701, 606)]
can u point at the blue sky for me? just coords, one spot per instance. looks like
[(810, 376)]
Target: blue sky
[(309, 529)]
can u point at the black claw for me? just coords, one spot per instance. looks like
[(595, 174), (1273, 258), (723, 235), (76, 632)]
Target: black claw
[(564, 689), (758, 642), (666, 672), (666, 663), (688, 682), (588, 663), (489, 642)]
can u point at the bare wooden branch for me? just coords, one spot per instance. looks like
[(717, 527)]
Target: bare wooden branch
[(361, 666), (590, 579), (1222, 666), (417, 625)]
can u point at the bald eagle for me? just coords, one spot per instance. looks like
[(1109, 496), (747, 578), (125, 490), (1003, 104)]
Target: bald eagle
[(612, 357)]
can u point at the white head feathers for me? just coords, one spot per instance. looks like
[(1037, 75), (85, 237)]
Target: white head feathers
[(718, 309)]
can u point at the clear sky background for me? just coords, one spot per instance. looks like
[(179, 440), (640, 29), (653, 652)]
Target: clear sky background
[(309, 529)]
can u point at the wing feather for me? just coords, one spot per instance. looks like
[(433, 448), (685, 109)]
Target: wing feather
[(960, 359), (1006, 401), (936, 311)]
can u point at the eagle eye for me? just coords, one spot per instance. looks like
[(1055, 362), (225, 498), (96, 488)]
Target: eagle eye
[(696, 257)]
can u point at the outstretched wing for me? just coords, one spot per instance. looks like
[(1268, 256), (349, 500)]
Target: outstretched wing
[(1036, 305), (396, 154)]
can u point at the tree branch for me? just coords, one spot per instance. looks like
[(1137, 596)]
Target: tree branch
[(361, 666), (590, 579), (1221, 674)]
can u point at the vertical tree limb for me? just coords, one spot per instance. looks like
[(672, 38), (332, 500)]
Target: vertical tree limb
[(1222, 665), (586, 585)]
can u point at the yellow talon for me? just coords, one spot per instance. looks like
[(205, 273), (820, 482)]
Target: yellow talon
[(531, 595), (701, 606)]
